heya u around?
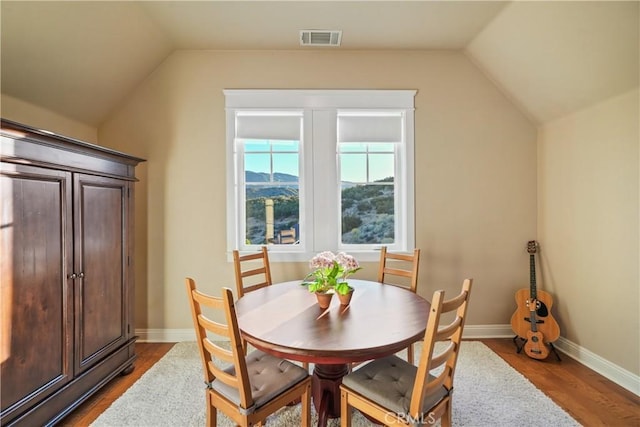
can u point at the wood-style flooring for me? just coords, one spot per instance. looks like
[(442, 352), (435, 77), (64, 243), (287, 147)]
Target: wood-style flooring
[(589, 397)]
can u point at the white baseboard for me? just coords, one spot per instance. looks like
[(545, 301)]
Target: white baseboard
[(179, 335), (165, 335), (487, 331), (611, 371)]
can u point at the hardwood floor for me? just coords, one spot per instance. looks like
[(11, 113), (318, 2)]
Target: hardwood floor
[(586, 395), (589, 397)]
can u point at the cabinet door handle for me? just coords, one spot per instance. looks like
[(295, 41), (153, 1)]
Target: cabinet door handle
[(81, 275), (73, 276)]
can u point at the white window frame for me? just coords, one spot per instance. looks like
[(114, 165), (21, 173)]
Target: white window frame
[(400, 196), (318, 184), (240, 183)]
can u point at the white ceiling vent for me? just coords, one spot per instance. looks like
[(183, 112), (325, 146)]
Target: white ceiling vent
[(320, 37)]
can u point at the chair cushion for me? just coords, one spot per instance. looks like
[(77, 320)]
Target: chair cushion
[(269, 377), (389, 383)]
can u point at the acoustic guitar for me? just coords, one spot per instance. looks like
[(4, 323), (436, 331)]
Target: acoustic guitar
[(533, 320)]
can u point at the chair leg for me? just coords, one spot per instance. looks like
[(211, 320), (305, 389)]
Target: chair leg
[(445, 421), (410, 354), (212, 412), (345, 411), (305, 418)]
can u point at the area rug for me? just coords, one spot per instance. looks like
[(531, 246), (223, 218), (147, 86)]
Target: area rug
[(488, 392)]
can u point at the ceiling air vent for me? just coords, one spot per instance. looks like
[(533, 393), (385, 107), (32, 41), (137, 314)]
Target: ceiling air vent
[(320, 37)]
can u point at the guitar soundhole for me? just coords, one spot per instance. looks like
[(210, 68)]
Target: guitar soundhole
[(542, 310), (534, 338)]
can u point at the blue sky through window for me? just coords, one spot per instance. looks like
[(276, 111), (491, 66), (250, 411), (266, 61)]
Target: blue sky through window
[(282, 156)]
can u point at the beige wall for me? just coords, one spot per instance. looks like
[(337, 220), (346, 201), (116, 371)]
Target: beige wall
[(588, 190), (42, 118), (475, 171)]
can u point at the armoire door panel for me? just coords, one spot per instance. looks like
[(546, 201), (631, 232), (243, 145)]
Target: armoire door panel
[(37, 324), (100, 255)]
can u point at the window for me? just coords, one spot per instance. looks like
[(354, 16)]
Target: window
[(368, 157), (319, 170), (267, 146)]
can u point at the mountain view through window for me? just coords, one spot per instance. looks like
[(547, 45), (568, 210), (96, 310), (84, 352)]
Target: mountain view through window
[(272, 193)]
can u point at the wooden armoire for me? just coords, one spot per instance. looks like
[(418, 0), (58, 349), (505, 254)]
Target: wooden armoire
[(67, 291)]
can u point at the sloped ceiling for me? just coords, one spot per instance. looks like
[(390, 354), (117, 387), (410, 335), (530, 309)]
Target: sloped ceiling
[(81, 59), (554, 58)]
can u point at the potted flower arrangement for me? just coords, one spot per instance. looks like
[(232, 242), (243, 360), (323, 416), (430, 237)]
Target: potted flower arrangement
[(329, 276)]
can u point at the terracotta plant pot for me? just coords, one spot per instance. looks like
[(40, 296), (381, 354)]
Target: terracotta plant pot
[(324, 299), (346, 298)]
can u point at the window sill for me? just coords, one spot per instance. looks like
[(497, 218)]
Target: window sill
[(284, 256)]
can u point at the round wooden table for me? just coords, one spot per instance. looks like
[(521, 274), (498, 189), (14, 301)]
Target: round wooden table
[(285, 320)]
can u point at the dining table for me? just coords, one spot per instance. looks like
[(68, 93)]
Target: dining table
[(285, 320)]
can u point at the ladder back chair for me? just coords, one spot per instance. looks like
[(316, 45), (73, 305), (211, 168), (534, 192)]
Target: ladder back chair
[(399, 265), (395, 392), (404, 268), (252, 271), (248, 388)]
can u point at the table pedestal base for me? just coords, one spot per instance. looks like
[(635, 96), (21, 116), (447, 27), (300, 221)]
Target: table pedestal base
[(325, 389)]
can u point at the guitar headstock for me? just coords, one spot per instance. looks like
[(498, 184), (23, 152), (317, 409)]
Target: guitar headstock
[(532, 246)]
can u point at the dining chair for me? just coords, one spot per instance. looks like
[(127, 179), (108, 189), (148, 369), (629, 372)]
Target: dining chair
[(250, 387), (251, 276), (395, 392), (252, 271), (399, 265), (403, 268)]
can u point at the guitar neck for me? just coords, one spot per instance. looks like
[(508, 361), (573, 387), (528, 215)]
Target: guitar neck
[(534, 293), (532, 277)]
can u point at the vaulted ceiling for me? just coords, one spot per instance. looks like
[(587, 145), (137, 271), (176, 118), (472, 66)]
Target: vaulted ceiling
[(81, 59)]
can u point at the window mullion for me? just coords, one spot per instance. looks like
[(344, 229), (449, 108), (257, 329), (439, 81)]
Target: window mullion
[(368, 180), (271, 180), (307, 216), (325, 182)]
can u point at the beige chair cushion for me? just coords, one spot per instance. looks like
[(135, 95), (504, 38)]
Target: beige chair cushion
[(389, 383), (269, 376)]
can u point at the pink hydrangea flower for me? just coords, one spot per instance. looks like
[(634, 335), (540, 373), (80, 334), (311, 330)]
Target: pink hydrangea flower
[(330, 271)]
